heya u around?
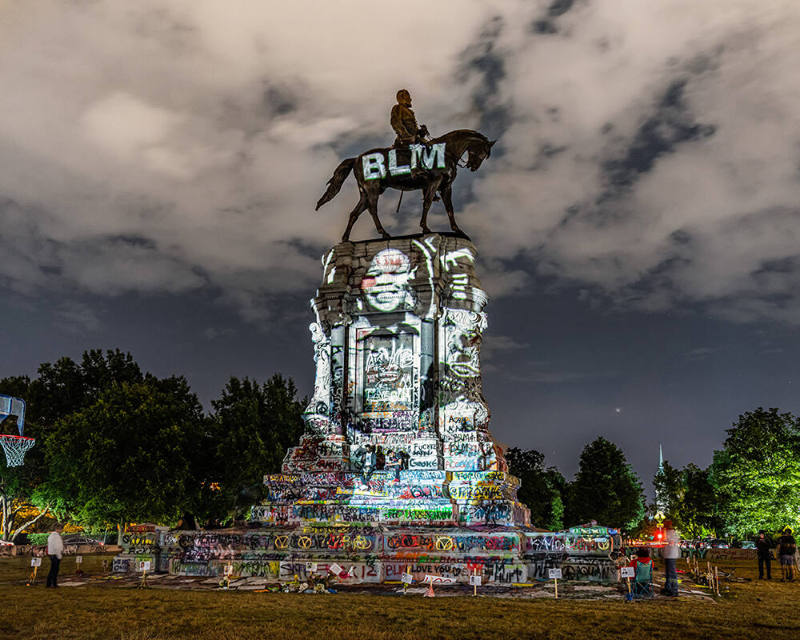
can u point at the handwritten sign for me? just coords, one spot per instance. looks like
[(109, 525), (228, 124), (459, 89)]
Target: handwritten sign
[(627, 572), (228, 569), (78, 559), (475, 580), (407, 578), (554, 573), (144, 565), (335, 569), (432, 579), (36, 562)]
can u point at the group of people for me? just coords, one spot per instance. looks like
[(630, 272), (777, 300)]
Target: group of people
[(786, 550), (367, 458)]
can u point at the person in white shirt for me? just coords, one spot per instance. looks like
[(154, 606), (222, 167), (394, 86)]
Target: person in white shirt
[(55, 549), (671, 552)]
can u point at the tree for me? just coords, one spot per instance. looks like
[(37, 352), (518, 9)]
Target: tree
[(670, 489), (251, 429), (60, 389), (700, 512), (757, 473), (18, 485), (689, 499), (605, 489), (540, 489), (129, 454)]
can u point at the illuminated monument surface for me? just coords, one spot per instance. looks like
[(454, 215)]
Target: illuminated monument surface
[(397, 428), (397, 472)]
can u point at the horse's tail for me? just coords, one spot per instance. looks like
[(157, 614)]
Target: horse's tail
[(336, 181)]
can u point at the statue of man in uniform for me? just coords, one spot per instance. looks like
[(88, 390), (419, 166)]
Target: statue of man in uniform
[(404, 122)]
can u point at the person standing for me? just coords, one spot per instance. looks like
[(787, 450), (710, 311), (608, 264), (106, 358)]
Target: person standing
[(787, 546), (671, 552), (55, 549), (764, 546)]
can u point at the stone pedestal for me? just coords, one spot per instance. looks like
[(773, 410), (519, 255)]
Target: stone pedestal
[(397, 428)]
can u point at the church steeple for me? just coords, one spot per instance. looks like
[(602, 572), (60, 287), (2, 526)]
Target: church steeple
[(660, 501)]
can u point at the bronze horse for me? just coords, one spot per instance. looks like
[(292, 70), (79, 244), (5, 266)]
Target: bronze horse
[(476, 145)]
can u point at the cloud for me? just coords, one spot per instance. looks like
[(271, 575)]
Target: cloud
[(77, 317), (647, 151)]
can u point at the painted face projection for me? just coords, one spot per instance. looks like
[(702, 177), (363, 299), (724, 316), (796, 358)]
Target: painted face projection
[(388, 373), (385, 285)]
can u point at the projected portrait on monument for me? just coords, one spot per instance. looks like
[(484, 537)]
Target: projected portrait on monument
[(386, 283)]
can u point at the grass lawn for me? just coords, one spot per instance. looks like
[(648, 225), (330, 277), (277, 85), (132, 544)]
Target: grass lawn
[(762, 610)]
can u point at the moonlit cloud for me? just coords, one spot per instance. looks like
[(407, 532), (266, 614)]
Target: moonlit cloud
[(648, 152)]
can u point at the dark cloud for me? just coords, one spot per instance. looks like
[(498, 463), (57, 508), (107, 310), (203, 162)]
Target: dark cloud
[(671, 125)]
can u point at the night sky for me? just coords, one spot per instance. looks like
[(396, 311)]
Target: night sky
[(637, 222)]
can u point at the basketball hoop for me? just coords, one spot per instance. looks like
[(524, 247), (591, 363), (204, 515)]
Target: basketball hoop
[(15, 448)]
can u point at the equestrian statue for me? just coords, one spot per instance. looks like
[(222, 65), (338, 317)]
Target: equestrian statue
[(415, 161)]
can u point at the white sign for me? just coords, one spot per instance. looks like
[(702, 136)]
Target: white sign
[(475, 580), (407, 578), (553, 573), (335, 569), (431, 579), (311, 567), (228, 569), (78, 559), (36, 562), (627, 572), (144, 565)]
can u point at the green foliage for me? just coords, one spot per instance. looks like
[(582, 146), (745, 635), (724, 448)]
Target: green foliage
[(757, 473), (252, 427), (129, 454), (38, 538), (541, 489), (689, 499), (605, 489)]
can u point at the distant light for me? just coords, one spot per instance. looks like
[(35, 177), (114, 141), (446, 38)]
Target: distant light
[(618, 409)]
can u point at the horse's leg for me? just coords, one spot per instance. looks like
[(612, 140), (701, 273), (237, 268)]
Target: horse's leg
[(357, 211), (427, 199), (447, 200), (372, 203)]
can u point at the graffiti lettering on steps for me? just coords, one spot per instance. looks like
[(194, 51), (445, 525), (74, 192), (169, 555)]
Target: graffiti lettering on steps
[(493, 513), (589, 568), (121, 565), (545, 543), (581, 544), (424, 463), (354, 572), (476, 492), (144, 542), (462, 543), (424, 448)]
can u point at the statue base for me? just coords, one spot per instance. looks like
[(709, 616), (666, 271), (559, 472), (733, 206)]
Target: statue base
[(382, 554)]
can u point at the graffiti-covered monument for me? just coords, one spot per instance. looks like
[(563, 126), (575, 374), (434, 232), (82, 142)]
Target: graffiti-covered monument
[(397, 430), (397, 472)]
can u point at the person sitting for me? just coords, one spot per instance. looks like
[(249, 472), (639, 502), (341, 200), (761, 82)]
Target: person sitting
[(643, 567)]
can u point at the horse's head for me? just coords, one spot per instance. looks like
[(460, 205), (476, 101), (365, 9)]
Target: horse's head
[(478, 152)]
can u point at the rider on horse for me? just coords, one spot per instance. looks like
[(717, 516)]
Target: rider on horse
[(404, 122)]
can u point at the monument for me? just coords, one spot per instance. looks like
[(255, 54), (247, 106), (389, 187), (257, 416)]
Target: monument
[(397, 473), (397, 430)]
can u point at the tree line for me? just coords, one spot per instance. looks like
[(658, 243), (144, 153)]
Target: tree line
[(752, 483), (115, 445)]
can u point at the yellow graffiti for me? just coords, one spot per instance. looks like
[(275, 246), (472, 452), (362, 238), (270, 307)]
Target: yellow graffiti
[(282, 542), (444, 543), (362, 543), (304, 542)]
